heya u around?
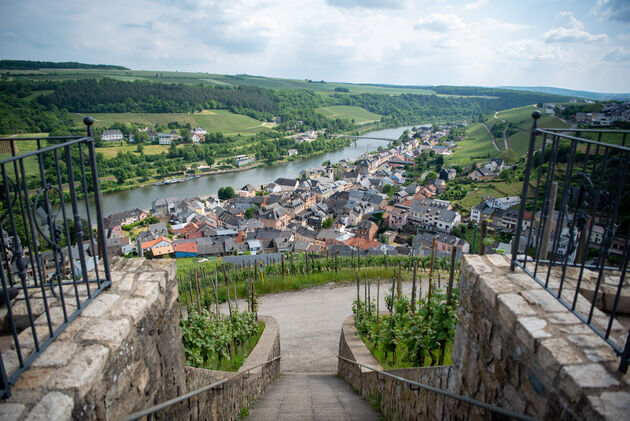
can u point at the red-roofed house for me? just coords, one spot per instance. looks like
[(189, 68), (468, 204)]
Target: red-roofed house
[(187, 249), (157, 247), (362, 243)]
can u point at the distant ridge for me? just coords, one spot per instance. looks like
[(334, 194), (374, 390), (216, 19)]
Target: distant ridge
[(34, 65), (597, 96)]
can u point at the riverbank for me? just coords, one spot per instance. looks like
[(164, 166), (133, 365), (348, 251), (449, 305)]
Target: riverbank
[(142, 195)]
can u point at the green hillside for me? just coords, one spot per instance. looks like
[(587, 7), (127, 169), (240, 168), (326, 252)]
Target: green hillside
[(356, 114), (221, 121)]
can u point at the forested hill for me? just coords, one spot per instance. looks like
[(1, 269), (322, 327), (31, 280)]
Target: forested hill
[(500, 99), (26, 104), (34, 65)]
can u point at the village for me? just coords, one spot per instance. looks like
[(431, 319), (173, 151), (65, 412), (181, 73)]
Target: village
[(373, 205)]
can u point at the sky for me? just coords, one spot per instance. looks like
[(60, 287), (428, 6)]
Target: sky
[(566, 44)]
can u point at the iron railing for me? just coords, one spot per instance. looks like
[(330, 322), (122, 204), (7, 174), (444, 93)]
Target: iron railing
[(51, 265), (573, 229), (413, 385)]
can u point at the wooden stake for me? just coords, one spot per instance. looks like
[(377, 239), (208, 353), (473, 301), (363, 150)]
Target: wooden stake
[(378, 293), (484, 228), (413, 289), (451, 277), (216, 289), (391, 310), (198, 291)]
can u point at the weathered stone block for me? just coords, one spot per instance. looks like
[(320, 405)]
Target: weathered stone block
[(150, 291), (159, 277), (574, 379), (565, 318), (134, 307), (86, 368), (544, 300), (587, 340), (11, 411), (613, 405), (510, 306), (493, 284), (100, 305), (53, 406), (555, 352), (110, 333), (601, 354), (58, 354), (529, 329)]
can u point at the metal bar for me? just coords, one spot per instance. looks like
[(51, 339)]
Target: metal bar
[(466, 399), (582, 140), (97, 200), (526, 174), (86, 200), (42, 150), (562, 301)]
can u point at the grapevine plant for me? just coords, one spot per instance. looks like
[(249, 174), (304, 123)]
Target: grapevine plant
[(210, 339), (411, 338)]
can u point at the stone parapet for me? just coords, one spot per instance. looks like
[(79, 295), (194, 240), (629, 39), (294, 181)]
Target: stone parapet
[(121, 354), (395, 399), (518, 348), (124, 353)]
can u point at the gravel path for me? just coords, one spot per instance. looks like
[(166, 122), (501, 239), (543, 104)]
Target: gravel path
[(310, 323)]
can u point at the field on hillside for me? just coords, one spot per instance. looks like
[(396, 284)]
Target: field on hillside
[(494, 188), (357, 114), (477, 145), (213, 79), (213, 121)]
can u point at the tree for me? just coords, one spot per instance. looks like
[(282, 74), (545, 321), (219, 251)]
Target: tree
[(327, 223), (249, 212), (226, 193), (431, 175), (121, 175), (140, 148), (209, 161)]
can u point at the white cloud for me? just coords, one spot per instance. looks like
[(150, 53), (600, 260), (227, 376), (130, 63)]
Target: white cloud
[(574, 33), (616, 10), (617, 54), (440, 23), (369, 4), (529, 50), (475, 4)]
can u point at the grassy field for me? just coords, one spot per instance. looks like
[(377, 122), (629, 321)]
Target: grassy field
[(477, 145), (357, 114), (214, 79), (222, 121)]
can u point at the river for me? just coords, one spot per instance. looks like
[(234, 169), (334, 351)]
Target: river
[(143, 197)]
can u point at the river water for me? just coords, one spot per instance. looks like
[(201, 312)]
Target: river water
[(143, 197)]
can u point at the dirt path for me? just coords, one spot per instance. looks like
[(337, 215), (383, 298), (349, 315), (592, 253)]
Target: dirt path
[(310, 323), (506, 141), (494, 141)]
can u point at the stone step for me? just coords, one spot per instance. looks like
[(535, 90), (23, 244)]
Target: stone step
[(311, 396)]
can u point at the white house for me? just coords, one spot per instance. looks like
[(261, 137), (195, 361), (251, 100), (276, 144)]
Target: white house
[(164, 138), (111, 135)]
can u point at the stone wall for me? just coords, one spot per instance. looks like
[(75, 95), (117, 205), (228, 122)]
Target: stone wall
[(518, 348), (241, 389), (124, 353), (515, 347), (395, 400)]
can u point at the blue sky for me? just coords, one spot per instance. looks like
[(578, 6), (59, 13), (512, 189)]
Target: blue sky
[(567, 44)]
